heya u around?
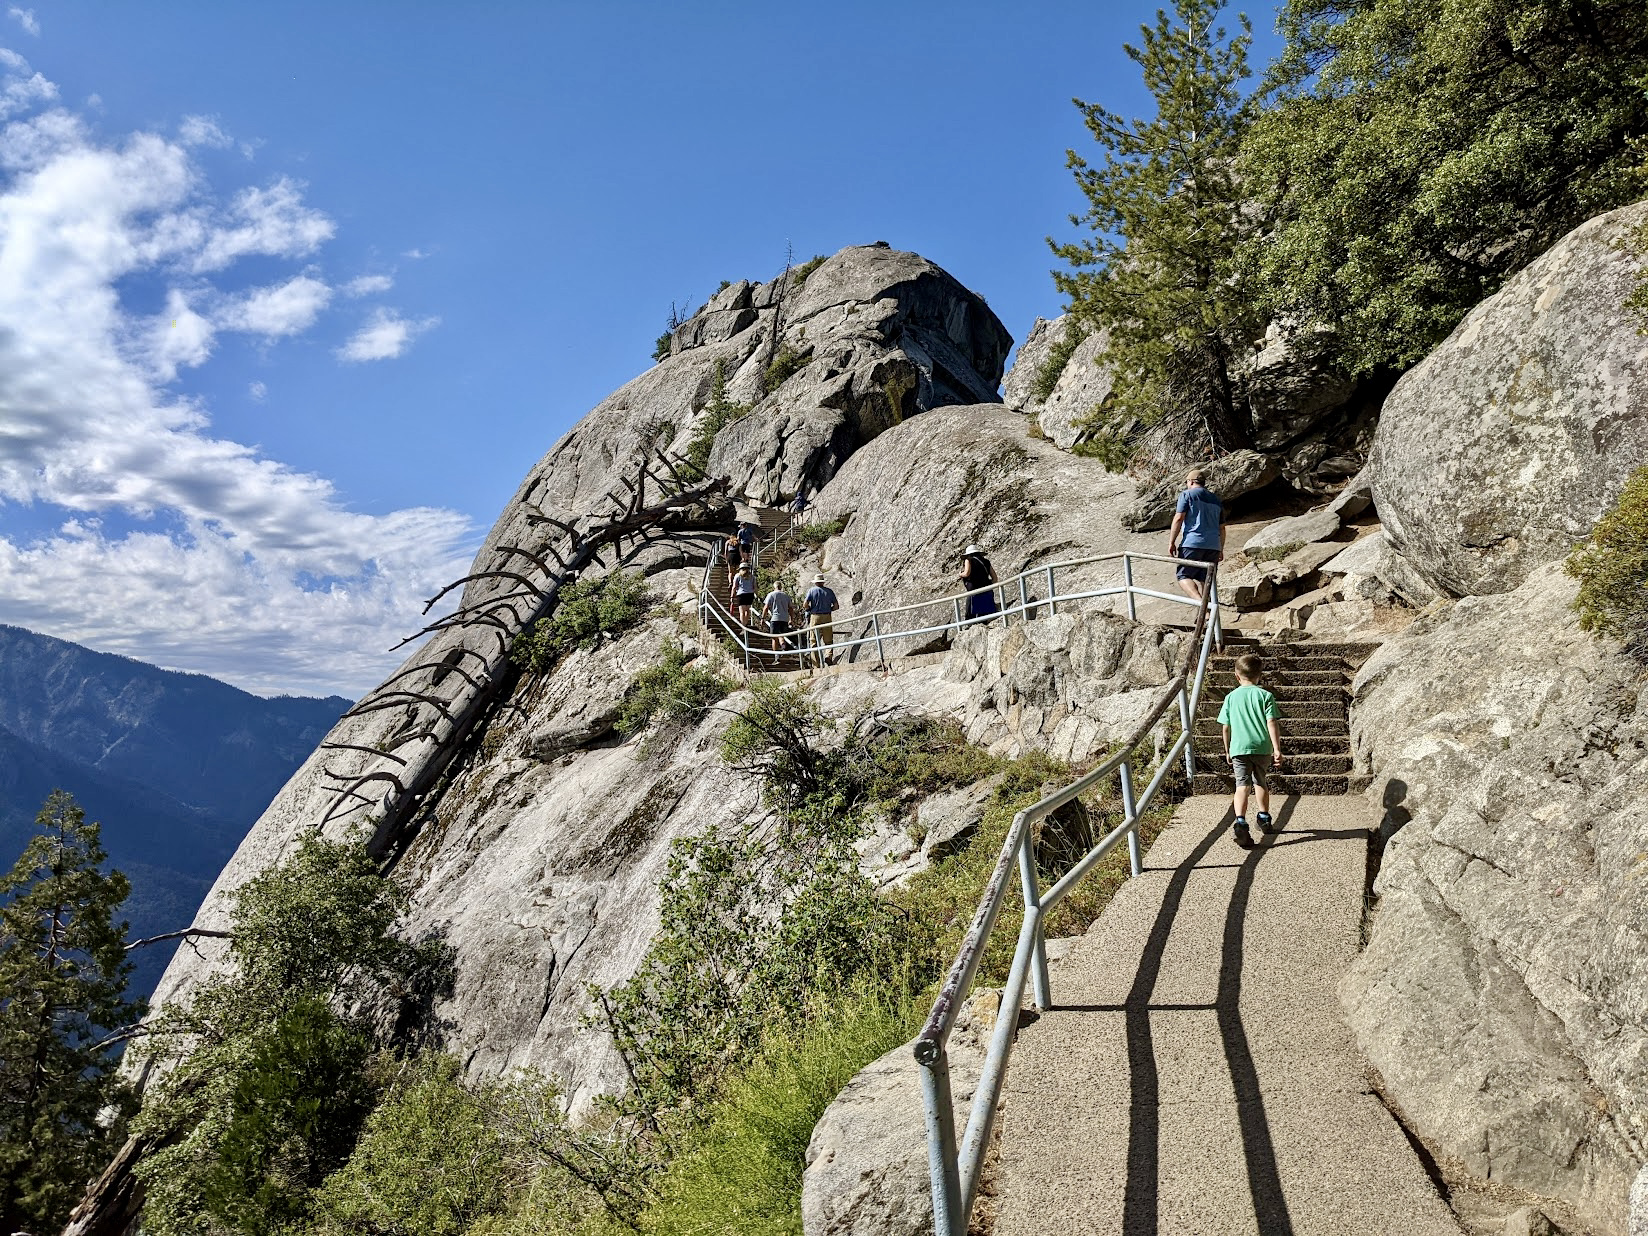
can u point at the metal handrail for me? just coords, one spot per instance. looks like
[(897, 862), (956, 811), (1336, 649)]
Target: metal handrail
[(712, 612), (954, 1170)]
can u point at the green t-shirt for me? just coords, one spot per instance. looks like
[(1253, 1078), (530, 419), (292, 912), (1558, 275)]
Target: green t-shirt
[(1248, 711)]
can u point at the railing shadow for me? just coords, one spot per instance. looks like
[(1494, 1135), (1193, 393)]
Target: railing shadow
[(1141, 1199)]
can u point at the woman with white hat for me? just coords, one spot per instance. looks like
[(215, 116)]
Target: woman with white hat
[(976, 572)]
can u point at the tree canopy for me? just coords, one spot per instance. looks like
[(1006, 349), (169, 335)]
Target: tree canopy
[(63, 973), (1414, 153)]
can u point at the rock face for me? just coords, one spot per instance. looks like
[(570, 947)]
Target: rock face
[(1499, 451), (1230, 476), (1503, 995), (539, 861), (877, 335), (1082, 385)]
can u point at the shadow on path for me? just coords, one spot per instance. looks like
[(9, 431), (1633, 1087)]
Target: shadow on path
[(1140, 1215)]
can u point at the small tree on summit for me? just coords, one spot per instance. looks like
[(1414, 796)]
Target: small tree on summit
[(1162, 271), (63, 973)]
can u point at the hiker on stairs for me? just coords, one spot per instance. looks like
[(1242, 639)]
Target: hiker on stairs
[(733, 552), (1198, 532), (821, 604), (1252, 724), (776, 610), (743, 595), (976, 572)]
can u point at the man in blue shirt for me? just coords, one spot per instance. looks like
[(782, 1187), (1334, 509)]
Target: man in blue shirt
[(820, 604), (1198, 532)]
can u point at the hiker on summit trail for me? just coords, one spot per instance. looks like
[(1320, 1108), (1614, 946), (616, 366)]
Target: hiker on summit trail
[(776, 611), (743, 594), (820, 604), (747, 537), (733, 552), (798, 507), (976, 572), (1198, 532), (1252, 727)]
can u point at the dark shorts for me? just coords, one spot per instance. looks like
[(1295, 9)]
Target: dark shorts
[(778, 628), (1195, 555), (1251, 770), (744, 599)]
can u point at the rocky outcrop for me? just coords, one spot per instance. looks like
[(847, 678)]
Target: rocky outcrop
[(1500, 450), (1230, 476), (874, 335), (922, 492), (867, 1160), (538, 856), (1084, 382), (1503, 995)]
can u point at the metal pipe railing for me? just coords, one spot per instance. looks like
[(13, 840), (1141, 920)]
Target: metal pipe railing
[(873, 627), (954, 1165)]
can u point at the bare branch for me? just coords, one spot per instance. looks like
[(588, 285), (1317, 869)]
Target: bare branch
[(188, 933), (351, 746)]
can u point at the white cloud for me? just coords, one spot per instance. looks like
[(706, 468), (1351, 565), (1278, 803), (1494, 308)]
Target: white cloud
[(26, 19), (21, 90), (385, 336), (272, 222), (368, 285), (203, 131), (285, 309), (415, 254), (175, 545), (258, 391)]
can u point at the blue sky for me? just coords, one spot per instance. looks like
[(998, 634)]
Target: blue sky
[(294, 294)]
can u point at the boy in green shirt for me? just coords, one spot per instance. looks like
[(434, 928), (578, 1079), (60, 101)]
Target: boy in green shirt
[(1253, 740)]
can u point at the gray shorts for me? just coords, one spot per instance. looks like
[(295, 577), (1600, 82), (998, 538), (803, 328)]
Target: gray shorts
[(1251, 770)]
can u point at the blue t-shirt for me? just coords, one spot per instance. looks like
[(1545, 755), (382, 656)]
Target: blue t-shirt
[(1203, 513), (820, 600)]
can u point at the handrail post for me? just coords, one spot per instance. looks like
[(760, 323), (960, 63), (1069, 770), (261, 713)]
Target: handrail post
[(1039, 983), (1133, 861), (942, 1168), (1024, 600), (1052, 592), (1186, 720), (875, 624), (1213, 601), (957, 604), (1127, 581)]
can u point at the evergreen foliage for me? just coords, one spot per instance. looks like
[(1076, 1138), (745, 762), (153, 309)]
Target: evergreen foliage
[(672, 690), (1162, 270), (313, 936), (1058, 360), (1415, 154), (798, 276), (586, 612), (785, 365), (1612, 569), (718, 413), (63, 973)]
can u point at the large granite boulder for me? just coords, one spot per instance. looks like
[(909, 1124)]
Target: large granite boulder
[(875, 335), (1083, 383), (1503, 995), (1500, 450)]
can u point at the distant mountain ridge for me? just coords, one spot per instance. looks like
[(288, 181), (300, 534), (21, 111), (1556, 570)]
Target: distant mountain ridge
[(175, 766)]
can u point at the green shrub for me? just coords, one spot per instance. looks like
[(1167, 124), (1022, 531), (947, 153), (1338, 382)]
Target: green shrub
[(718, 413), (1058, 357), (1111, 445), (785, 365), (1612, 569), (814, 535), (1273, 553), (431, 1160), (672, 690), (661, 346), (799, 276), (742, 1172), (588, 610)]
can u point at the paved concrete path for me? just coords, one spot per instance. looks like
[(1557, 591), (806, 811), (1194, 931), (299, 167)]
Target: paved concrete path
[(1196, 1075)]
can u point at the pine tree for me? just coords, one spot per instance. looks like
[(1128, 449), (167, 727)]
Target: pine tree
[(63, 973), (1162, 271)]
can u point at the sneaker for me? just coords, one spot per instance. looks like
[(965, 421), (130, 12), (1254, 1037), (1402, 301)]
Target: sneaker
[(1240, 832), (1266, 823)]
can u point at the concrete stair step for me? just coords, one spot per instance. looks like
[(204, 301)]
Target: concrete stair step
[(1281, 676), (1210, 742), (1213, 689), (1298, 765), (1316, 710), (1293, 727), (1284, 662), (1284, 783)]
